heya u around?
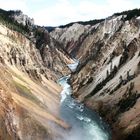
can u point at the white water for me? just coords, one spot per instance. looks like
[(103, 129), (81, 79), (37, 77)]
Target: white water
[(86, 124), (66, 87), (74, 65)]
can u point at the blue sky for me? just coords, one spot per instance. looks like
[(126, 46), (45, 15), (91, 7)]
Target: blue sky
[(58, 12)]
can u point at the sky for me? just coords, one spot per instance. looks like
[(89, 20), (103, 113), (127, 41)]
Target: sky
[(61, 12)]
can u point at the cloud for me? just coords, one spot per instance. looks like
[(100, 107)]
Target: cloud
[(61, 11), (119, 5), (64, 11), (14, 4), (58, 12)]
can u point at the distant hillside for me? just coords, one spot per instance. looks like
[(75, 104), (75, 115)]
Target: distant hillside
[(90, 22)]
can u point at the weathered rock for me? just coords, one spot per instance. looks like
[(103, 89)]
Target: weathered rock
[(110, 57), (29, 96)]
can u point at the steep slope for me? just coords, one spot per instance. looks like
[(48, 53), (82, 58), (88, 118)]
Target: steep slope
[(53, 55), (50, 51), (108, 74), (73, 34), (71, 37), (28, 111), (107, 78), (29, 95)]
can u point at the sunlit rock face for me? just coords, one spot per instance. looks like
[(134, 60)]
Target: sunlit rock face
[(28, 110), (108, 72), (71, 37), (29, 95), (35, 58)]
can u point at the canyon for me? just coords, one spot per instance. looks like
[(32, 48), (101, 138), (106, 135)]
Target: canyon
[(106, 80)]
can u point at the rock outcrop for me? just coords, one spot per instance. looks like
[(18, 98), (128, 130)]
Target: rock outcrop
[(71, 37)]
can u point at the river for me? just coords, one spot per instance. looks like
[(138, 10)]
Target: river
[(85, 123)]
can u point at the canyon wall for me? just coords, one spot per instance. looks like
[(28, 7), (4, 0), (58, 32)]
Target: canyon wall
[(107, 78), (29, 94)]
